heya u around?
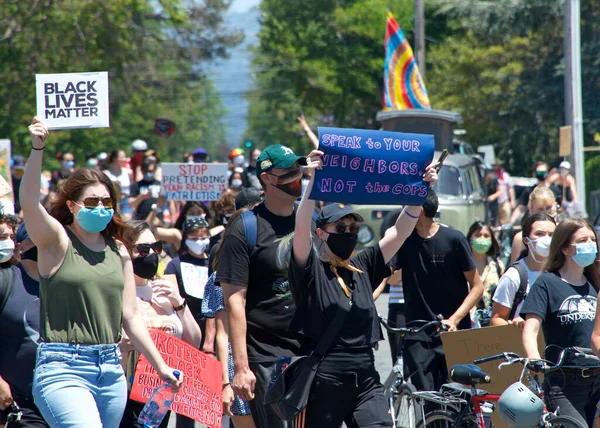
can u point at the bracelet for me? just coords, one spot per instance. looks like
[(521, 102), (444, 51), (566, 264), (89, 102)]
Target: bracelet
[(33, 148), (410, 215), (180, 307)]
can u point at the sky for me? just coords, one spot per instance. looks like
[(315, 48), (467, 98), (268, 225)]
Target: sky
[(243, 5)]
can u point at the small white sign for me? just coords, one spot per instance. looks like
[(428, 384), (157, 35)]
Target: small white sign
[(194, 181), (194, 279), (73, 100)]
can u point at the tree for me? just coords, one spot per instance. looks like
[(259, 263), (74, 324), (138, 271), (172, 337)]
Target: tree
[(152, 51)]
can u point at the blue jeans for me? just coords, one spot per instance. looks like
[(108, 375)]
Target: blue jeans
[(79, 385)]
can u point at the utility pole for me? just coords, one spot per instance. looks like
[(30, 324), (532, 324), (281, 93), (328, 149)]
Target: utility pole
[(420, 35), (573, 98)]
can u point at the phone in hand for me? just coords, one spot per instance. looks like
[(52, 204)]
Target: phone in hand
[(441, 160)]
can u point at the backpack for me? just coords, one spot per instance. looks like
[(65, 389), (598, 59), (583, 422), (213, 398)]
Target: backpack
[(522, 291), (251, 225), (6, 285)]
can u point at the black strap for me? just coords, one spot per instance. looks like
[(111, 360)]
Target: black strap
[(345, 304), (6, 285), (522, 291)]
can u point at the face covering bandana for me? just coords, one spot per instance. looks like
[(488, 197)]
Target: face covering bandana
[(290, 183), (94, 220), (481, 245), (342, 244), (196, 217), (146, 266), (68, 164), (197, 247), (586, 254), (541, 175), (540, 246), (7, 249)]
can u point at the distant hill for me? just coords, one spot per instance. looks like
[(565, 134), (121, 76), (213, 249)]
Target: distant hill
[(232, 76)]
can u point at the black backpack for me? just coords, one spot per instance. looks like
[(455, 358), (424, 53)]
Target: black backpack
[(6, 285), (522, 291)]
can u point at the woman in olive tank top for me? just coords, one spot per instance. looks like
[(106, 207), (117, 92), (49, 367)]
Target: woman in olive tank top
[(87, 294)]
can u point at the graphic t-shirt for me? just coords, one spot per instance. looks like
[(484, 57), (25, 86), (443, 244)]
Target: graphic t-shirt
[(567, 313), (264, 271), (192, 274), (19, 333), (152, 187), (433, 275), (317, 295), (509, 285)]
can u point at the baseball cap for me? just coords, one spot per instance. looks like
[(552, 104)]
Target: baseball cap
[(18, 162), (333, 212), (246, 197), (277, 157), (565, 165), (139, 146), (199, 152)]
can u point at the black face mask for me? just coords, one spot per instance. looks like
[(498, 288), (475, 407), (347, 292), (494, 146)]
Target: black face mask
[(31, 254), (146, 266), (541, 175), (342, 244)]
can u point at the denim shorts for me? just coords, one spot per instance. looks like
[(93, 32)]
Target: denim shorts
[(79, 385)]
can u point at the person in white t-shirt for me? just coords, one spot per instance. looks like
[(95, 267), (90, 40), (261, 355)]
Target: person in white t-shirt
[(537, 235)]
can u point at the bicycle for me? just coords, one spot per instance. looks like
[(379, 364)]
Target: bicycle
[(398, 392), (471, 413)]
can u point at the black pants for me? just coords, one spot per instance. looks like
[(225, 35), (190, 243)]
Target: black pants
[(574, 395), (425, 364), (262, 414), (355, 398), (396, 319), (31, 417)]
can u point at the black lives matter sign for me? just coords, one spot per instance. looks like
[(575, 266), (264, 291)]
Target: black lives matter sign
[(73, 100)]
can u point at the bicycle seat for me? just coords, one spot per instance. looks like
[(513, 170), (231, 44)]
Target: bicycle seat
[(460, 390), (468, 374)]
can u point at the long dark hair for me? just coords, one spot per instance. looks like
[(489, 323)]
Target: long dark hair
[(494, 250), (561, 239), (71, 189)]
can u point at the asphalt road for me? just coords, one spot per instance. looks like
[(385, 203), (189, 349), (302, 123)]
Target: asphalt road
[(383, 361)]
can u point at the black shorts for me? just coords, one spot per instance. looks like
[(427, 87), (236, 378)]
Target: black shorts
[(353, 397)]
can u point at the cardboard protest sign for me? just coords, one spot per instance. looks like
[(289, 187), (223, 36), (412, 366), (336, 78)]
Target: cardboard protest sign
[(200, 396), (194, 181), (73, 100), (5, 173), (372, 167)]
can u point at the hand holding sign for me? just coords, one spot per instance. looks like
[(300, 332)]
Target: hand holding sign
[(314, 160)]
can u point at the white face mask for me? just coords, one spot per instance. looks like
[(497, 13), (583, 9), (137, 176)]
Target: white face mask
[(7, 249), (197, 247), (540, 246), (236, 184)]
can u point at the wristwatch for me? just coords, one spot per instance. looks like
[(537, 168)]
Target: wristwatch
[(180, 307)]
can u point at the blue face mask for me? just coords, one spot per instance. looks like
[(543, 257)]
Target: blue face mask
[(94, 220), (586, 254), (68, 164)]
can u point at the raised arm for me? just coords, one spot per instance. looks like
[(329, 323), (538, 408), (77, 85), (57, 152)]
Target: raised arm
[(45, 231), (311, 135), (395, 236), (302, 233)]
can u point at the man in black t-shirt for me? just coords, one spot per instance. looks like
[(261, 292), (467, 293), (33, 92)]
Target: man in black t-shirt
[(255, 283), (145, 192), (437, 271)]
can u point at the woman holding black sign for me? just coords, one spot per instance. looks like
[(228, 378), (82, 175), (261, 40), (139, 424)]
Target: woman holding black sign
[(347, 386)]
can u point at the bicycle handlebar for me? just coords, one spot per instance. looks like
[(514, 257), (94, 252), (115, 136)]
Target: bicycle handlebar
[(512, 358), (406, 330)]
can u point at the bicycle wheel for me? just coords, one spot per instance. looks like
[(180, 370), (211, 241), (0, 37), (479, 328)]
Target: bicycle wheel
[(405, 409), (439, 419), (565, 421)]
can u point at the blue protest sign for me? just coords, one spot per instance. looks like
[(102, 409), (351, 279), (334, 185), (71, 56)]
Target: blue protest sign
[(372, 167)]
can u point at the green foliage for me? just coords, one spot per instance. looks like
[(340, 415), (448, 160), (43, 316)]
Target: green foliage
[(152, 51)]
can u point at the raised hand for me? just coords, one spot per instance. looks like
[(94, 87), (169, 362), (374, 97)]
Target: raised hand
[(39, 133)]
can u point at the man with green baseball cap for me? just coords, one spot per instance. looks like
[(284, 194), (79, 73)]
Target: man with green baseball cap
[(254, 279)]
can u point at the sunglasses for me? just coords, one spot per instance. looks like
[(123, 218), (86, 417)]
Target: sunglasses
[(144, 249), (342, 227), (288, 177), (94, 201)]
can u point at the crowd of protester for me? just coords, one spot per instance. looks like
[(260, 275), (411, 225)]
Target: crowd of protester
[(93, 255)]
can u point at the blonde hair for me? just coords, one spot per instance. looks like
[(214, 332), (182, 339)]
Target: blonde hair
[(538, 194)]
